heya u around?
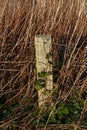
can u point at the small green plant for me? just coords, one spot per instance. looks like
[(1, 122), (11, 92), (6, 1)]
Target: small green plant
[(6, 112), (47, 92), (65, 113), (43, 74), (48, 55), (53, 119), (41, 80), (68, 112), (38, 87), (39, 84)]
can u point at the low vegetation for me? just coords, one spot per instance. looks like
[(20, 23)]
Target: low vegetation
[(66, 22)]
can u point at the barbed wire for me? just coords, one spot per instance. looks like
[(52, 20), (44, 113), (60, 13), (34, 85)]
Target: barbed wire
[(24, 43)]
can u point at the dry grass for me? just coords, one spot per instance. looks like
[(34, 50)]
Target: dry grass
[(66, 22)]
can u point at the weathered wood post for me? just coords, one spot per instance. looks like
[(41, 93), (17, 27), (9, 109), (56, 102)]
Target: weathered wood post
[(43, 48)]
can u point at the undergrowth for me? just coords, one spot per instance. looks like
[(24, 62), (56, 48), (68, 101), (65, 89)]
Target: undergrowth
[(20, 22)]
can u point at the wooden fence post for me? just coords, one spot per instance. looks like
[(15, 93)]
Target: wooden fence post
[(43, 48)]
